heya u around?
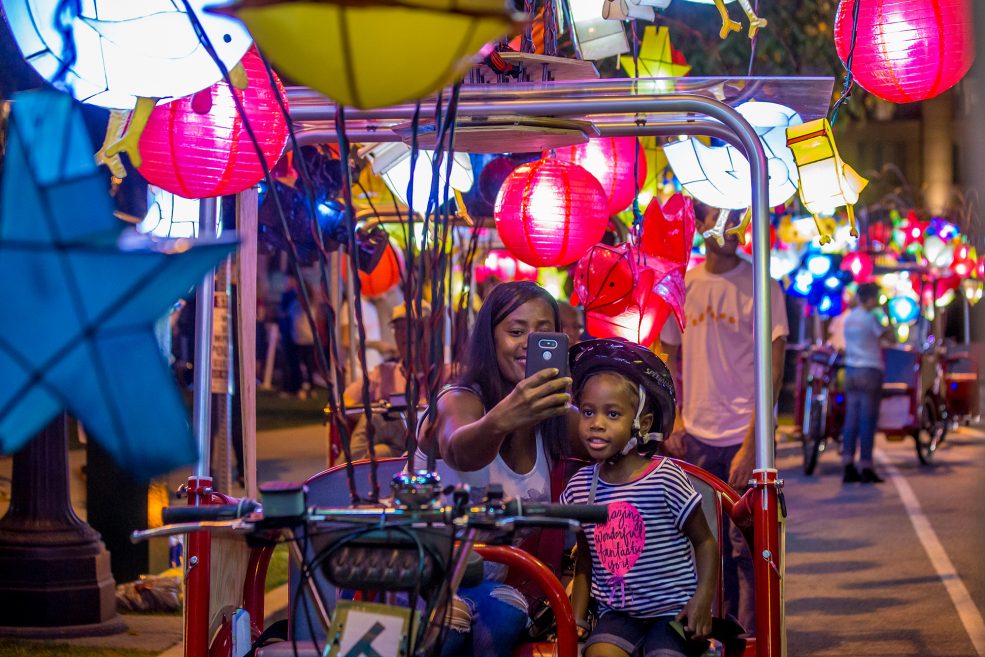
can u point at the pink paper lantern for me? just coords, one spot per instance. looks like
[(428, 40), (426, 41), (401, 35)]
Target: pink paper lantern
[(550, 212), (610, 160), (505, 267), (906, 50), (198, 147), (859, 264)]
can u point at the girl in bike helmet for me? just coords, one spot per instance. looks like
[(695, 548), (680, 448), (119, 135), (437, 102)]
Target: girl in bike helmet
[(654, 596)]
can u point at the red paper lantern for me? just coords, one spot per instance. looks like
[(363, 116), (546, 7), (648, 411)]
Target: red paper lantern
[(905, 50), (980, 270), (505, 267), (610, 160), (549, 212), (605, 278), (659, 291), (668, 231), (384, 276), (198, 147)]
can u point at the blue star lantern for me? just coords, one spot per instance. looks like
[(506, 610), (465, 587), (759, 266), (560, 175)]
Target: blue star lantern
[(77, 325)]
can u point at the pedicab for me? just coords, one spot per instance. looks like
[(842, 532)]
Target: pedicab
[(614, 107)]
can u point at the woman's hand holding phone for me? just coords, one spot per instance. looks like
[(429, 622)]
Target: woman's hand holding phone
[(538, 397)]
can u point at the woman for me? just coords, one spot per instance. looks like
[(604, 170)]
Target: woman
[(496, 426)]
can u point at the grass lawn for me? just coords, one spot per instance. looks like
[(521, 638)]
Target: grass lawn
[(14, 648), (275, 412), (277, 571)]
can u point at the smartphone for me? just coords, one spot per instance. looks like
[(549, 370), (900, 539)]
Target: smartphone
[(545, 350)]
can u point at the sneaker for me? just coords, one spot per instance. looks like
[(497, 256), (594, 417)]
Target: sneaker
[(851, 474), (869, 476)]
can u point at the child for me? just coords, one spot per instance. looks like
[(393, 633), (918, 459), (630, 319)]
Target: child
[(654, 595)]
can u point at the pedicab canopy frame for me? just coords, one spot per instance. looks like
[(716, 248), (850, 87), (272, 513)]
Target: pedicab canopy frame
[(637, 107)]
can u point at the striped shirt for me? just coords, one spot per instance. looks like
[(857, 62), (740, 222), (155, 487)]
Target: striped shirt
[(642, 562)]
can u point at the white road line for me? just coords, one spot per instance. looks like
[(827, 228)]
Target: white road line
[(969, 614)]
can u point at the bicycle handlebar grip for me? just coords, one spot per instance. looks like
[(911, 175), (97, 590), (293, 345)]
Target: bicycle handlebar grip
[(588, 513), (175, 514)]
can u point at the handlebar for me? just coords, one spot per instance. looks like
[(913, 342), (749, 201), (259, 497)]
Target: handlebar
[(171, 515), (583, 513)]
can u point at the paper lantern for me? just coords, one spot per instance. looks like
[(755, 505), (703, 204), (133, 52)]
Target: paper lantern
[(719, 176), (198, 147), (505, 267), (938, 252), (859, 264), (907, 51), (611, 161), (605, 278), (972, 289), (668, 231), (657, 58), (659, 291), (826, 181), (729, 25), (384, 276), (391, 161), (374, 53), (595, 37), (125, 50), (169, 215), (550, 212)]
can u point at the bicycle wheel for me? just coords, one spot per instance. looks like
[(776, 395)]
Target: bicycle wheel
[(813, 443), (930, 433)]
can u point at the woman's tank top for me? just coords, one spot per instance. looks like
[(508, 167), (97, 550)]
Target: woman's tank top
[(533, 486)]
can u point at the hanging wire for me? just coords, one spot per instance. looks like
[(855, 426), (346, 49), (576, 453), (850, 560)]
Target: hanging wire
[(846, 90), (752, 45), (356, 301), (304, 297)]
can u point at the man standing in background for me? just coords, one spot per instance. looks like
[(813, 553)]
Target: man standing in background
[(715, 360)]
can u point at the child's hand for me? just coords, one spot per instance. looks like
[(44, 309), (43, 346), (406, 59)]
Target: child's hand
[(696, 618), (582, 629)]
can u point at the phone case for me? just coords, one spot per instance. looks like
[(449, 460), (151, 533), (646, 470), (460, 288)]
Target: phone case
[(546, 350)]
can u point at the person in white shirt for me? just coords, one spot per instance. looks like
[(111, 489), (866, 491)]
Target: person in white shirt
[(863, 384), (718, 384)]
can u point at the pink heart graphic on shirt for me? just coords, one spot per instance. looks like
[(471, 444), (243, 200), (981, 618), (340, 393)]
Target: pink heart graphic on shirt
[(620, 541)]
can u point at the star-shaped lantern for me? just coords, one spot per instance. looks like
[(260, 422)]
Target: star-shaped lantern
[(77, 332), (657, 58)]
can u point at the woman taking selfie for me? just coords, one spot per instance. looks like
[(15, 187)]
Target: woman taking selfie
[(497, 426)]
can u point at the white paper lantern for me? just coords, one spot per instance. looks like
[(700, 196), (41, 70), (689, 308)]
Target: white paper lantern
[(126, 49), (720, 176)]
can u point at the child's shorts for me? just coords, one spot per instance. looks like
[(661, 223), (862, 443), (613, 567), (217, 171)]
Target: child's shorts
[(644, 637)]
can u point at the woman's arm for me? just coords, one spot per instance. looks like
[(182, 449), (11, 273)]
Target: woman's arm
[(697, 612), (581, 585), (469, 439)]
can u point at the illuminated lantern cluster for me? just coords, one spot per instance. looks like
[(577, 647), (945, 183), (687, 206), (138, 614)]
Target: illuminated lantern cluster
[(504, 267), (550, 212), (614, 161), (198, 146), (906, 51)]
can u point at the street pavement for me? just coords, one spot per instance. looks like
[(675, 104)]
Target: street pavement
[(858, 577)]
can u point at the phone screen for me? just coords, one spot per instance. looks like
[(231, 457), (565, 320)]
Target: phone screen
[(546, 350)]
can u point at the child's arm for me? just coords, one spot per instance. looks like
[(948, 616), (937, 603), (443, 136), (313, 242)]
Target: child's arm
[(697, 611), (582, 583)]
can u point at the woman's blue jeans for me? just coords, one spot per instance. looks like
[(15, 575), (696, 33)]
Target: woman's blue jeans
[(863, 392), (498, 614)]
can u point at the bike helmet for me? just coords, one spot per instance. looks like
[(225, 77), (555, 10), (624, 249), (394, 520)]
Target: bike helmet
[(639, 365)]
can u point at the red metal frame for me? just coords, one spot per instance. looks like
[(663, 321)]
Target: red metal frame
[(537, 572), (197, 642)]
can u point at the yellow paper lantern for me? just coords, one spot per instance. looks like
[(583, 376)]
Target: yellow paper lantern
[(374, 53), (826, 181)]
